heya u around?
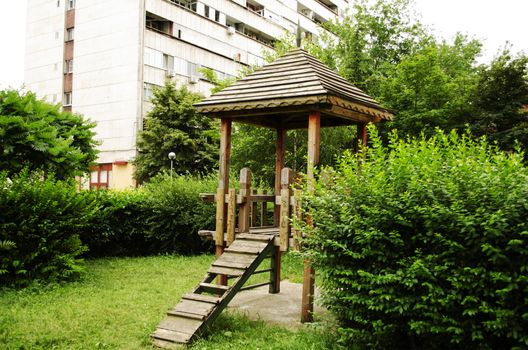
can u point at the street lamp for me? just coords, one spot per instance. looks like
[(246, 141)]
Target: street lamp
[(172, 155)]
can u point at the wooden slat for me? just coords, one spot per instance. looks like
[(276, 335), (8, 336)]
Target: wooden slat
[(231, 264), (186, 315), (213, 288), (244, 213), (297, 212), (225, 271), (264, 230), (180, 324), (201, 297), (231, 208), (249, 244), (262, 197), (171, 336), (253, 237), (194, 307), (167, 344), (244, 250), (275, 94), (284, 231), (235, 257)]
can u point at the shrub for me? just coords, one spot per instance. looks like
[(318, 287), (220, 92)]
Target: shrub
[(39, 223), (176, 213), (119, 225), (425, 244), (162, 217)]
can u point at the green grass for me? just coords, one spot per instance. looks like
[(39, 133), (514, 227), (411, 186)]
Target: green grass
[(119, 302)]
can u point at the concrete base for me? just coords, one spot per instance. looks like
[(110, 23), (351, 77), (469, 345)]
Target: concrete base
[(283, 309)]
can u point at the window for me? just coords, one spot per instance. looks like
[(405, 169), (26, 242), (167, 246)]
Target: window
[(168, 62), (70, 4), (67, 100), (100, 176), (68, 66), (69, 34)]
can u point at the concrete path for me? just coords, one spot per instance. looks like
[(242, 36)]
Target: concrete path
[(283, 308)]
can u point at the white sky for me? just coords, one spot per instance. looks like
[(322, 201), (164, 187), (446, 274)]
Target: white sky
[(492, 21)]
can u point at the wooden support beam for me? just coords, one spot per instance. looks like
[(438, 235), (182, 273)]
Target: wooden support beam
[(245, 207), (361, 137), (314, 139), (279, 164), (223, 187)]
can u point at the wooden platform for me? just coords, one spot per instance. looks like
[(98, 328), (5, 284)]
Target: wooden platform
[(198, 309)]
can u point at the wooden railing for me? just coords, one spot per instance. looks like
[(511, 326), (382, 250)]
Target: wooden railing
[(246, 209)]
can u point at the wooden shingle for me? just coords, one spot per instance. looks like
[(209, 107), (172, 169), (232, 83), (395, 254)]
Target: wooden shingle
[(281, 93)]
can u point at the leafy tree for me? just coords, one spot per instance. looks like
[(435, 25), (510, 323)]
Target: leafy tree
[(365, 45), (174, 125), (433, 87), (501, 98), (37, 135)]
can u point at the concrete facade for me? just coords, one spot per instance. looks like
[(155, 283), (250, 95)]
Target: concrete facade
[(103, 58)]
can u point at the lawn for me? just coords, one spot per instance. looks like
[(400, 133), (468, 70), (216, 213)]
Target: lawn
[(119, 302)]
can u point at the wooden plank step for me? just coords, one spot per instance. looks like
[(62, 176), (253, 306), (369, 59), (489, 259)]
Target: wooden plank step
[(164, 344), (254, 237), (243, 250), (180, 324), (249, 243), (230, 264), (185, 315), (201, 297), (236, 257), (166, 335), (226, 271), (213, 288), (201, 308), (264, 231)]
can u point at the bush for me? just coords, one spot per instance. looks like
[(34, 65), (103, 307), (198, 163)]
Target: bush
[(177, 213), (39, 223), (425, 244), (162, 217), (119, 225)]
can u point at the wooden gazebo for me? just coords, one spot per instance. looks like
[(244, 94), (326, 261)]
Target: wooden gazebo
[(295, 91)]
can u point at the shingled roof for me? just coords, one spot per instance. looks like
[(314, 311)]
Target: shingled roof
[(282, 92)]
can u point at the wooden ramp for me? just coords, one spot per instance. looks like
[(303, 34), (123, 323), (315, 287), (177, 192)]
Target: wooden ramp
[(198, 309)]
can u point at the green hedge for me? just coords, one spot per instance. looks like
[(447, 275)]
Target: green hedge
[(46, 227), (39, 223), (425, 245), (162, 217)]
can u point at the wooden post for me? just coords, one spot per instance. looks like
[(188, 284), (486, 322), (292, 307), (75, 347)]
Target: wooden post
[(223, 187), (361, 136), (264, 211), (245, 207), (279, 164), (231, 214), (284, 228), (297, 213), (314, 132), (253, 210)]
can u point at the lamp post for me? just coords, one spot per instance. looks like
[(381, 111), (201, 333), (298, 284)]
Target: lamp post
[(172, 155)]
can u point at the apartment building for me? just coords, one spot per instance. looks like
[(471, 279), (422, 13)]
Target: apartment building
[(102, 58)]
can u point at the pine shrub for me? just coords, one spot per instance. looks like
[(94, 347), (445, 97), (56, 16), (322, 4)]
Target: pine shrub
[(423, 244)]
